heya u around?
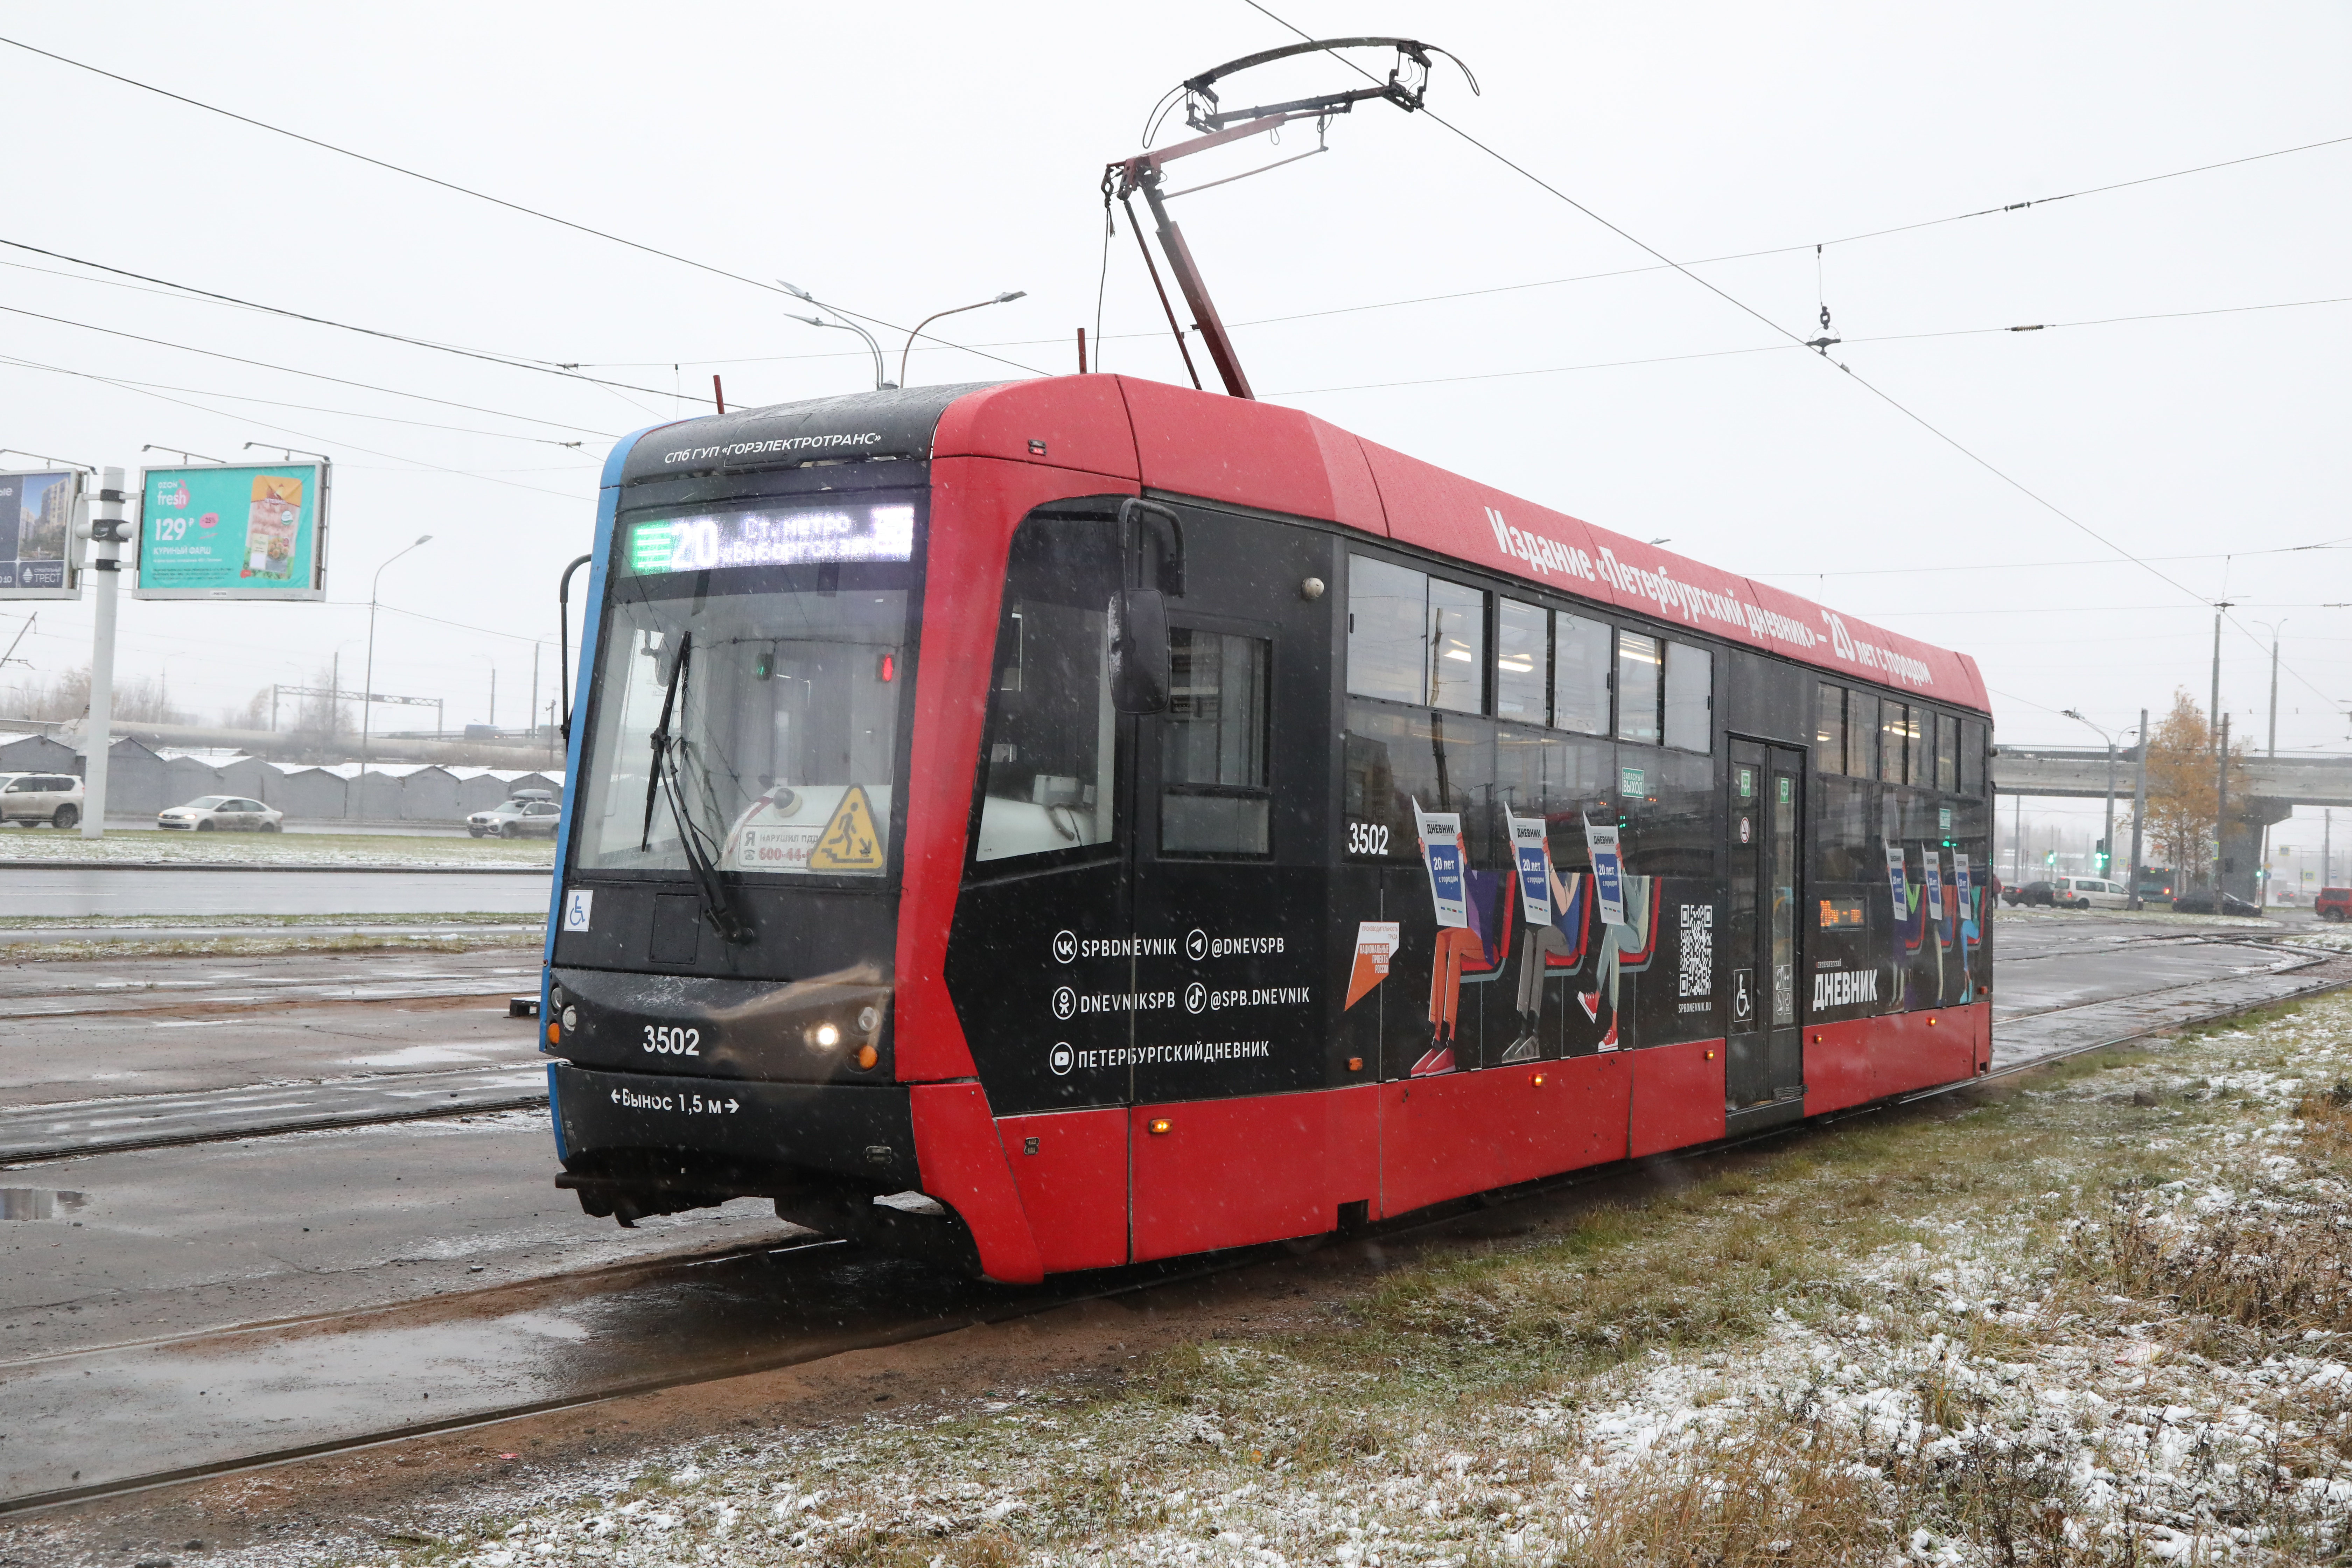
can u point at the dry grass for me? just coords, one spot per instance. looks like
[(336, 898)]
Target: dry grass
[(2085, 1320)]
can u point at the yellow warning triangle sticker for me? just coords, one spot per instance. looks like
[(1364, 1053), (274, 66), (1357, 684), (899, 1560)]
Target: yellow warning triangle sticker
[(851, 841)]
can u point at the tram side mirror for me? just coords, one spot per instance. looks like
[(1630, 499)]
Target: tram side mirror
[(1139, 651), (1157, 537)]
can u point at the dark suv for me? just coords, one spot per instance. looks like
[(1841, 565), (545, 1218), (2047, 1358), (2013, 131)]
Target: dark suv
[(2044, 894)]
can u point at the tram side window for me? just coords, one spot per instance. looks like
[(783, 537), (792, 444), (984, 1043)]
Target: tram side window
[(1948, 754), (1388, 630), (1580, 689), (1638, 671), (1829, 728), (1416, 639), (1690, 697), (1213, 775), (1917, 751), (1972, 750), (1522, 662), (1861, 735), (1051, 738), (1848, 820), (1895, 723), (1457, 647)]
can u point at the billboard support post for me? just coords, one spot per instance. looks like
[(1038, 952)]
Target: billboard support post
[(106, 532)]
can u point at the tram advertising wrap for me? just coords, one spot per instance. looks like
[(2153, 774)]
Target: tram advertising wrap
[(1059, 824), (235, 531)]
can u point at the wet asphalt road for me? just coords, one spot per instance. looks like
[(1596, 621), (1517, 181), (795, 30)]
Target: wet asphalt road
[(61, 892), (411, 1222)]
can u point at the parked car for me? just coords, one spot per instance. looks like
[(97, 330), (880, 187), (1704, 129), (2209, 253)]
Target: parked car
[(2333, 904), (2202, 902), (2040, 894), (223, 814), (2088, 893), (35, 798), (524, 816)]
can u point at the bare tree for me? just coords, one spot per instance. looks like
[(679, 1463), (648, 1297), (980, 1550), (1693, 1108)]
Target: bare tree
[(64, 696)]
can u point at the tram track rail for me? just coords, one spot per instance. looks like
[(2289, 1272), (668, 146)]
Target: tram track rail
[(1131, 1280)]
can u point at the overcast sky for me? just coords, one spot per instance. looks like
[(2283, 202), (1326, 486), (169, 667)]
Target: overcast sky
[(899, 159)]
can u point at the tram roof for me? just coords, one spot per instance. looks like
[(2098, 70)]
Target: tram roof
[(1217, 448)]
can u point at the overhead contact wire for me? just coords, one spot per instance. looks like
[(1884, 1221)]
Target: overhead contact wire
[(468, 191)]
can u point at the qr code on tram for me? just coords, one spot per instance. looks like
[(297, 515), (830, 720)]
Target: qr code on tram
[(1698, 977)]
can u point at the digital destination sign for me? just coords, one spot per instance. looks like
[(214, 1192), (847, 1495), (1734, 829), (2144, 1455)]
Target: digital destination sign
[(772, 536), (236, 532), (39, 556)]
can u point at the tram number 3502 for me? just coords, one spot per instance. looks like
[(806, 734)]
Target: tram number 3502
[(1366, 838), (673, 1041)]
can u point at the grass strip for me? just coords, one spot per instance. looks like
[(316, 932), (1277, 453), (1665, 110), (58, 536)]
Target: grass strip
[(2098, 1315)]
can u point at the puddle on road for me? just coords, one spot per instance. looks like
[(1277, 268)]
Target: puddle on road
[(38, 1203), (427, 1056)]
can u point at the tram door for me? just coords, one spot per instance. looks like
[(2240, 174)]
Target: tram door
[(1764, 1050), (1230, 809)]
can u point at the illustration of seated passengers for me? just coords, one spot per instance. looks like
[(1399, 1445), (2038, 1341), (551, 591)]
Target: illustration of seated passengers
[(1624, 950), (1469, 956), (1472, 953), (1547, 950)]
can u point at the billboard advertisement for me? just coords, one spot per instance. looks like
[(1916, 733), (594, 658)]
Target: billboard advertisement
[(40, 558), (241, 530)]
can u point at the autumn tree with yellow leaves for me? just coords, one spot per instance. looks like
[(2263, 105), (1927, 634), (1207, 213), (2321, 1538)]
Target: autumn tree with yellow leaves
[(2181, 804)]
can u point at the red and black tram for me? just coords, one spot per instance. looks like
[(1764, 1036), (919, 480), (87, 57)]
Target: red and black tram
[(1074, 822)]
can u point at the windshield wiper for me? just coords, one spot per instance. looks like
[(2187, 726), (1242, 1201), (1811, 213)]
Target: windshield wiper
[(663, 781)]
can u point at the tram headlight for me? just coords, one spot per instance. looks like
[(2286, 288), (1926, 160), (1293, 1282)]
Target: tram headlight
[(868, 1020), (824, 1037)]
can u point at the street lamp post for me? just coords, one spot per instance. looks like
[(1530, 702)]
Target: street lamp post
[(2262, 872), (367, 693), (2110, 840), (881, 381), (1004, 299)]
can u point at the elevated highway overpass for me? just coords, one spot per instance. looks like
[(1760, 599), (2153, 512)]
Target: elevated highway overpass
[(2276, 787)]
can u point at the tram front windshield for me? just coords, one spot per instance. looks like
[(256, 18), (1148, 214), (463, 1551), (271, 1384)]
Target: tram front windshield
[(753, 708)]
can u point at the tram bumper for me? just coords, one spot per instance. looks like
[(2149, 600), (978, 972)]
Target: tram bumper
[(662, 1143)]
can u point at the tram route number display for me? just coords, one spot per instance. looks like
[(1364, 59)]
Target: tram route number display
[(771, 536)]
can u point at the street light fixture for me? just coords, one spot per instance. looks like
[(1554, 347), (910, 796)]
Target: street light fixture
[(881, 381), (1004, 299), (2110, 839), (43, 457), (292, 452), (367, 693)]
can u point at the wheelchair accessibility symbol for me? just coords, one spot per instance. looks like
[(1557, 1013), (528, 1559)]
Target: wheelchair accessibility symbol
[(1743, 996)]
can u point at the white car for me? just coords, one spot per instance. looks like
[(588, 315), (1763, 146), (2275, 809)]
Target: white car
[(524, 816), (35, 798), (223, 814), (2088, 893)]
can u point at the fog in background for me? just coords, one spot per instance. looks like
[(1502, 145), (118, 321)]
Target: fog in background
[(898, 160)]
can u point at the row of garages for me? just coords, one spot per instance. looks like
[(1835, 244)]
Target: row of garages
[(142, 780)]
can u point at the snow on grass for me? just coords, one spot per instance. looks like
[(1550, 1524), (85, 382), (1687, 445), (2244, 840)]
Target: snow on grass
[(158, 846), (2101, 1319)]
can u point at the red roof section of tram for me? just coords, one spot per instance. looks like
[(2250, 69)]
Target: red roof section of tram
[(1277, 459)]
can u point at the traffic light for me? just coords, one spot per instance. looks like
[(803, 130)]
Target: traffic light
[(2103, 857)]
